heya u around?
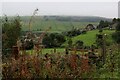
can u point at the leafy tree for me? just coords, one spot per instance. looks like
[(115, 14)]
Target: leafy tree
[(103, 24), (73, 32), (53, 40), (11, 30), (100, 24), (47, 41), (101, 42), (70, 42), (116, 35), (79, 44), (114, 20), (99, 38)]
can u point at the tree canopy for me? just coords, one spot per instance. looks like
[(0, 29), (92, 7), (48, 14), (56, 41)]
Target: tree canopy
[(116, 35), (11, 30)]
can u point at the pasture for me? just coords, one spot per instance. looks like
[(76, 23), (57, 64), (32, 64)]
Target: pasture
[(90, 37), (51, 51), (56, 26)]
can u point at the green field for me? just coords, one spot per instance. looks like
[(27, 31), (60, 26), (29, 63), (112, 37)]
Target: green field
[(51, 51), (39, 24), (90, 37), (48, 50), (56, 26), (58, 23)]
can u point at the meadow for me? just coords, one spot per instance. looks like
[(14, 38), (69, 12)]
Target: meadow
[(56, 26), (58, 23), (48, 50), (90, 37)]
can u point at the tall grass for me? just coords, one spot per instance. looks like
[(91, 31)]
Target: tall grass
[(44, 66)]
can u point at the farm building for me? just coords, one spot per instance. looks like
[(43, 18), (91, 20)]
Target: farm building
[(90, 27)]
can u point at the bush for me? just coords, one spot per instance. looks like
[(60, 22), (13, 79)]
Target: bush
[(79, 44), (11, 30), (53, 40)]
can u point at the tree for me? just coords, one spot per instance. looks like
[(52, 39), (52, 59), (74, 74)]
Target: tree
[(116, 35), (79, 44), (11, 30), (70, 42), (100, 26), (103, 24), (101, 42), (53, 40), (114, 20)]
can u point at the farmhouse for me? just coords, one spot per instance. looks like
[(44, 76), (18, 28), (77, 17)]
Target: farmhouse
[(90, 27)]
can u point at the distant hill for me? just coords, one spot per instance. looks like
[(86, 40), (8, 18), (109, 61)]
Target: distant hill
[(70, 18), (77, 18), (59, 23)]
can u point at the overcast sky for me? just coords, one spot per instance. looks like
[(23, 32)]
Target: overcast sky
[(103, 9)]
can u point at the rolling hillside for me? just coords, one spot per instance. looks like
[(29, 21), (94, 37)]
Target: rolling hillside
[(59, 23), (90, 37)]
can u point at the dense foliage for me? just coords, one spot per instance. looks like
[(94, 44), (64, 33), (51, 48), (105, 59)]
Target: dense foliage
[(79, 44), (60, 65), (11, 30), (53, 40), (103, 24), (116, 35), (78, 62), (74, 32)]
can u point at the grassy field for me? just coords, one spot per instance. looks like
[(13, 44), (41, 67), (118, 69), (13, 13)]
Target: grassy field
[(51, 50), (40, 22), (56, 26), (48, 50), (90, 37)]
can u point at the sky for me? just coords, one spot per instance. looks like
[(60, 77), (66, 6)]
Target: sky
[(119, 9), (102, 9)]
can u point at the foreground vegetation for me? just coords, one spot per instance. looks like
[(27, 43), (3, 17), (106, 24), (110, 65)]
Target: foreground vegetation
[(56, 65), (100, 61)]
